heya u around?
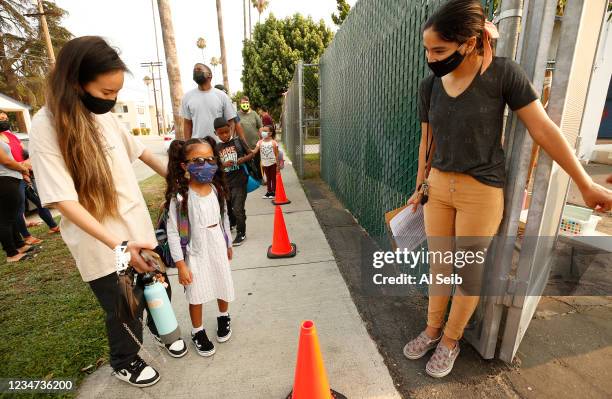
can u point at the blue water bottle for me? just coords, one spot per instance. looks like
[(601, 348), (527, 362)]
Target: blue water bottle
[(160, 309)]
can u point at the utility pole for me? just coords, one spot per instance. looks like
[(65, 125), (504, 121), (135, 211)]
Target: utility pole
[(244, 14), (161, 89), (151, 66), (250, 26), (45, 30)]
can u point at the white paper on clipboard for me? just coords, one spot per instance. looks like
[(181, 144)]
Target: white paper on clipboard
[(408, 228)]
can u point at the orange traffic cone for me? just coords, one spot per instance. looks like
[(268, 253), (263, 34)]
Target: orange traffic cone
[(310, 377), (281, 246), (280, 198)]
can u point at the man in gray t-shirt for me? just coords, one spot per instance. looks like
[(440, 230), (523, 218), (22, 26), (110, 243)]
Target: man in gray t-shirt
[(202, 105)]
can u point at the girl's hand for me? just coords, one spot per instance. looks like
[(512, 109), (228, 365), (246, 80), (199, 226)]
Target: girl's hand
[(230, 253), (185, 276), (415, 200), (597, 197), (136, 260)]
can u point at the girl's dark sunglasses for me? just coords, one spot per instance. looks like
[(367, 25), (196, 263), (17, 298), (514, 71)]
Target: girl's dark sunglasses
[(201, 160)]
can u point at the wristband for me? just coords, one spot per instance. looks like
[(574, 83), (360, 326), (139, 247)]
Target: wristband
[(122, 258)]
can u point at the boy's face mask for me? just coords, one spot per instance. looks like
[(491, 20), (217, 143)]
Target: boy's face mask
[(245, 106)]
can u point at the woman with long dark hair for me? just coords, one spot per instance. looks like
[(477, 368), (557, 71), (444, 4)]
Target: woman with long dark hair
[(461, 110), (82, 157)]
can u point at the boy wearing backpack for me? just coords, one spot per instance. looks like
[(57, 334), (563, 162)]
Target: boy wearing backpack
[(234, 152)]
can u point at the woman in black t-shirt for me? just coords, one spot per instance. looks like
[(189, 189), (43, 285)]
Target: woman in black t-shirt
[(461, 110)]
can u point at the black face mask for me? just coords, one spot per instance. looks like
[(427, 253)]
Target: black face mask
[(97, 105), (199, 77), (447, 65), (4, 126)]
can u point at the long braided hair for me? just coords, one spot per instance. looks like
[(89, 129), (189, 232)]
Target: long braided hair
[(176, 180)]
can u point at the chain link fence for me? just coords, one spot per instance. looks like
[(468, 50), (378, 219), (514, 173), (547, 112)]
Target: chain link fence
[(370, 76), (300, 119)]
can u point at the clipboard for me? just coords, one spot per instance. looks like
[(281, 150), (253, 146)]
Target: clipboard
[(406, 229)]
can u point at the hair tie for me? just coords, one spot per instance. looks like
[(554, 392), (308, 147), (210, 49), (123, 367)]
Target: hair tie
[(488, 33)]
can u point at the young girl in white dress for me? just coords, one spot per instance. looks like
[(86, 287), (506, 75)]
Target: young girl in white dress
[(196, 197)]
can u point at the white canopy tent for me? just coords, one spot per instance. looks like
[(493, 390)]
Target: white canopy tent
[(8, 104)]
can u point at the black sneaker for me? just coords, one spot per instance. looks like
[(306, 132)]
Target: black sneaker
[(138, 374), (202, 343), (239, 240), (266, 195), (224, 331), (176, 349), (272, 195)]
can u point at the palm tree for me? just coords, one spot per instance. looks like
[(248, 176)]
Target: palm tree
[(201, 43), (172, 65), (222, 45), (260, 5), (215, 62)]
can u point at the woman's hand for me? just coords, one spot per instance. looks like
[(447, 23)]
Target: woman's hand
[(415, 200), (136, 261), (230, 253), (597, 197), (185, 276)]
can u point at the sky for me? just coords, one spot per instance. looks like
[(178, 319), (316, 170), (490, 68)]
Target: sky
[(128, 26)]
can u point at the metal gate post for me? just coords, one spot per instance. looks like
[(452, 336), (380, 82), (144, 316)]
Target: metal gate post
[(301, 127)]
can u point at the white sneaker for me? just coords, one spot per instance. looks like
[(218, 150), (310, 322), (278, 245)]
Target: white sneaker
[(138, 373)]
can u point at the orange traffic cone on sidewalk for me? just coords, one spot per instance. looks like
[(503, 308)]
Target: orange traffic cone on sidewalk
[(310, 377), (281, 246), (280, 198)]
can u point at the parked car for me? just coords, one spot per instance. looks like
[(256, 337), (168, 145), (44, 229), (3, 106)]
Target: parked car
[(168, 139)]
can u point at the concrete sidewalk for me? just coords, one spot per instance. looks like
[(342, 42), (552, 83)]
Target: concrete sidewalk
[(272, 298)]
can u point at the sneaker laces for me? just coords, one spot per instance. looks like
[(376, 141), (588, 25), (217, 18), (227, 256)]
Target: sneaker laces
[(137, 365)]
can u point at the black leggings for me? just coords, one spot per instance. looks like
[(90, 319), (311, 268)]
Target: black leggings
[(10, 199)]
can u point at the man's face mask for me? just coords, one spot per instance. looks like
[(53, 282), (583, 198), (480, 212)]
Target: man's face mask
[(245, 106), (4, 126), (199, 77), (447, 65)]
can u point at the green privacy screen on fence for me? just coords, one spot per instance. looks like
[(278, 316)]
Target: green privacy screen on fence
[(370, 130)]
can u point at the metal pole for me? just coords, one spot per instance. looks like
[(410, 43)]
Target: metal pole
[(300, 94), (45, 30), (161, 90), (244, 15), (155, 100), (250, 24), (509, 20)]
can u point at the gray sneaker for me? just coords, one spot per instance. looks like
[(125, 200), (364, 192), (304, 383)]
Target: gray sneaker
[(418, 347), (442, 361)]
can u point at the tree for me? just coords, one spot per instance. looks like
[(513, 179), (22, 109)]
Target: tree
[(260, 5), (343, 10), (201, 44), (172, 65), (222, 45), (269, 59), (24, 61)]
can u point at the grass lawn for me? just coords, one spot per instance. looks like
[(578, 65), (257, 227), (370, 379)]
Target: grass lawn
[(313, 140), (51, 325), (312, 167)]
